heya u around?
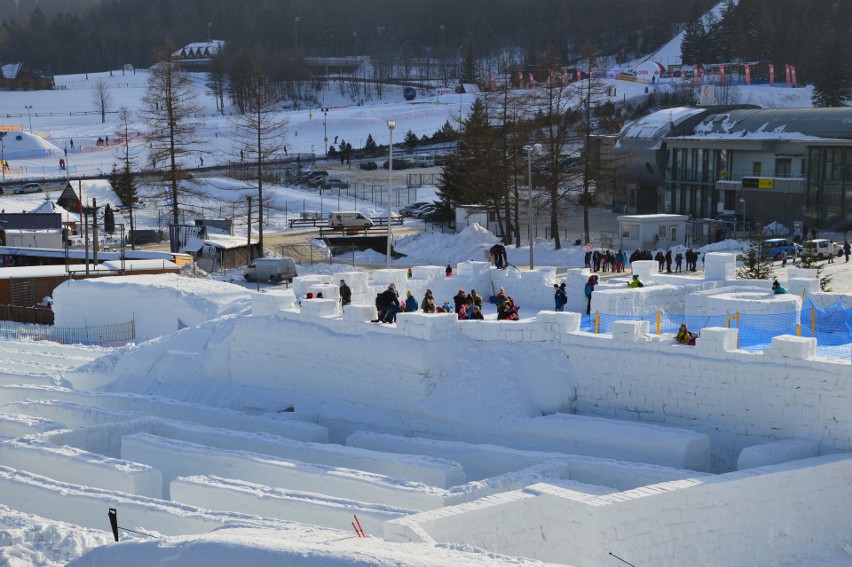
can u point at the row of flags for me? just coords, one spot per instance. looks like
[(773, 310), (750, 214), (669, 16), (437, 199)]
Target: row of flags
[(698, 74), (789, 74)]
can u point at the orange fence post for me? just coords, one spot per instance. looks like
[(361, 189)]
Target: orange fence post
[(813, 319), (658, 322), (597, 322)]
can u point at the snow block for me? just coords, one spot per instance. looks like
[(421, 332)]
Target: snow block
[(428, 326), (778, 452), (787, 346), (212, 492), (630, 441), (720, 266), (320, 307), (630, 331), (716, 340), (68, 464), (644, 269), (270, 303), (559, 322), (359, 313), (17, 425)]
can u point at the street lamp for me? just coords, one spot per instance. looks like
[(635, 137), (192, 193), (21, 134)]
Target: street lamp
[(296, 34), (743, 201), (325, 130), (3, 154), (391, 126), (29, 108), (530, 149)]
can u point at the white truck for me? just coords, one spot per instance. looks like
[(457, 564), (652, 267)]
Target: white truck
[(348, 220), (275, 270)]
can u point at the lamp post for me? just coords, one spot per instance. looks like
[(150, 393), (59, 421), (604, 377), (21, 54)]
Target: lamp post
[(29, 108), (325, 130), (743, 201), (3, 154), (530, 149), (296, 34), (391, 126)]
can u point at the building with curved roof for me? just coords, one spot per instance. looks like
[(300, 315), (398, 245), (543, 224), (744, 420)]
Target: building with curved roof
[(784, 165)]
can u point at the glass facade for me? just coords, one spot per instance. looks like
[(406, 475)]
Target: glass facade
[(691, 181), (828, 197)]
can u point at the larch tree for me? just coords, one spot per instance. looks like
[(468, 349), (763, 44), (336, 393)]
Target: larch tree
[(123, 181), (170, 110), (260, 132), (102, 98)]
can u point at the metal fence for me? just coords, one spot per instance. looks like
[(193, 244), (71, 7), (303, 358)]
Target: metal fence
[(102, 335)]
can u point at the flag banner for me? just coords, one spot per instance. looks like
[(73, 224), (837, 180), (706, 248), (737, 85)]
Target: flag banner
[(771, 73), (793, 75), (564, 76), (722, 73), (748, 74), (521, 79), (787, 74), (695, 73), (532, 80)]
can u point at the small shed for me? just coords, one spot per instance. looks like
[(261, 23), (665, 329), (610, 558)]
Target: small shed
[(467, 215), (652, 232)]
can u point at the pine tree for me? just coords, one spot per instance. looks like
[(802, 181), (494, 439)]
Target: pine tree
[(410, 141), (370, 146), (469, 72), (754, 266), (831, 80)]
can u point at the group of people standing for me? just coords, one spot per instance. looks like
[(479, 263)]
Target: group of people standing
[(605, 260)]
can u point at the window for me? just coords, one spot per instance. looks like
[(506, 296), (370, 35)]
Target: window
[(661, 231), (756, 168), (625, 230), (674, 234), (783, 167)]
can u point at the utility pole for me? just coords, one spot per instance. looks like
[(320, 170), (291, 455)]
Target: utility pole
[(248, 237)]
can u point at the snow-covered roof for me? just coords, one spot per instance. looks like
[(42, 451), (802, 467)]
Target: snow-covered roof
[(11, 70), (835, 123), (200, 49), (48, 207)]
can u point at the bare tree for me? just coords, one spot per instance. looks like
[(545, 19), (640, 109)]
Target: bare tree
[(102, 98), (124, 182), (260, 132), (169, 108)]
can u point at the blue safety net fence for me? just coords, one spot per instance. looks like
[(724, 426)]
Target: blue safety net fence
[(831, 326)]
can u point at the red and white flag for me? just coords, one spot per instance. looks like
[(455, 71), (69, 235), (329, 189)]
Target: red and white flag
[(532, 80), (722, 73), (695, 74), (521, 79), (787, 74), (793, 75), (771, 73), (564, 76), (748, 74)]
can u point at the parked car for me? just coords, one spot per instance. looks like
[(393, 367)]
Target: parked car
[(333, 183), (821, 248), (410, 209), (773, 248), (425, 211), (29, 188), (368, 165)]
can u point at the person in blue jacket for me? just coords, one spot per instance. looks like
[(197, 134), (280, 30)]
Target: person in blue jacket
[(410, 303), (778, 288), (560, 298)]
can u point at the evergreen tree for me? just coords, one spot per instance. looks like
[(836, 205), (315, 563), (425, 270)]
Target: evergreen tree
[(754, 266), (370, 146), (831, 77), (469, 71), (410, 141), (468, 176)]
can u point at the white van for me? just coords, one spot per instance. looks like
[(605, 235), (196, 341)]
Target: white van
[(348, 219), (275, 270)]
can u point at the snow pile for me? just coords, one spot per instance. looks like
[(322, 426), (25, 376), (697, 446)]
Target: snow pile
[(158, 304)]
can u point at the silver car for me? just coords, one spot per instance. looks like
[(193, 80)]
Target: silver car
[(29, 188)]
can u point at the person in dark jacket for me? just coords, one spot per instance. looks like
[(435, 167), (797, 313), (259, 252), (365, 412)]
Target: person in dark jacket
[(345, 293), (668, 261), (459, 299), (559, 297), (428, 303), (477, 313), (587, 290), (390, 302)]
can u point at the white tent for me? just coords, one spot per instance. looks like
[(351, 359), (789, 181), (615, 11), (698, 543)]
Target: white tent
[(48, 207)]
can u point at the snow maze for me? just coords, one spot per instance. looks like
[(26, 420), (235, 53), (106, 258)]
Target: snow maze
[(623, 444)]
